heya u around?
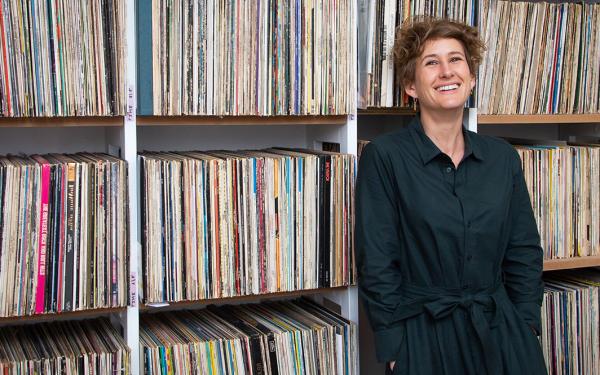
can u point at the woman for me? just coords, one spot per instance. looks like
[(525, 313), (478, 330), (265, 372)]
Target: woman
[(449, 261)]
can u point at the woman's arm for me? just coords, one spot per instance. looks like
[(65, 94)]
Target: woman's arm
[(523, 260), (378, 249)]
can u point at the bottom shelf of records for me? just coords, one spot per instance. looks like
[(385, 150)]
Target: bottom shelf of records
[(283, 337), (76, 347), (571, 322)]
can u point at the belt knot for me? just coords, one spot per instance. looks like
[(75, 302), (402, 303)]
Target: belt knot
[(441, 302)]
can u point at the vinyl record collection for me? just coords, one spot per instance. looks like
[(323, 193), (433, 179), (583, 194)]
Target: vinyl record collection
[(62, 58), (87, 347), (571, 323), (378, 21), (63, 227), (295, 337), (564, 186), (542, 58), (225, 57), (222, 223)]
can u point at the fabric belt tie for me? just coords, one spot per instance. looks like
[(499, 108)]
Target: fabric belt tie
[(440, 303)]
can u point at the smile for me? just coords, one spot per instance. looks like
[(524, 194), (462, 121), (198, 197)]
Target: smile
[(448, 87)]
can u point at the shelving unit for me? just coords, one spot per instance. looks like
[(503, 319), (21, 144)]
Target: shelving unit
[(122, 134), (70, 135), (181, 134), (127, 135), (208, 132), (113, 135)]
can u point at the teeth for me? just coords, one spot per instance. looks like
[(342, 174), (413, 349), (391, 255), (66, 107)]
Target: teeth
[(448, 87)]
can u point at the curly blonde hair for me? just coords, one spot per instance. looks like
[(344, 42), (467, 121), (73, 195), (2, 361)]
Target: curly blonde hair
[(412, 35)]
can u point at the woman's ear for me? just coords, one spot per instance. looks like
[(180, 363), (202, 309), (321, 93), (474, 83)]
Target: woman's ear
[(473, 81), (411, 90)]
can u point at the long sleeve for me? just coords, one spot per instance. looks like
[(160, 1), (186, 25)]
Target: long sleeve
[(377, 247), (523, 260)]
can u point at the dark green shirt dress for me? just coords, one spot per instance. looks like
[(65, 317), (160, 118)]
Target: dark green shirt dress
[(449, 259)]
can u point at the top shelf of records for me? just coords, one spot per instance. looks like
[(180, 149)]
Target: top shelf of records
[(541, 57), (198, 58), (64, 58), (268, 58)]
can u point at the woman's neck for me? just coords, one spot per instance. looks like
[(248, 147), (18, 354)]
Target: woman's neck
[(445, 132)]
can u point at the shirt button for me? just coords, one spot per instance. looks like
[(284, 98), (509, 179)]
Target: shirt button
[(469, 257), (448, 169)]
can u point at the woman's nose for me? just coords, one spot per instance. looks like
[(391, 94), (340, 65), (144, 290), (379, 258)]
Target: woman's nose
[(445, 70)]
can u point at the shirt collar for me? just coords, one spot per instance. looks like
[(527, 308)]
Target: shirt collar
[(429, 151)]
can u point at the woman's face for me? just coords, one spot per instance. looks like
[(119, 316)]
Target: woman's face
[(443, 80)]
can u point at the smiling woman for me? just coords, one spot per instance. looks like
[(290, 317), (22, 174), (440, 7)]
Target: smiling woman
[(448, 250)]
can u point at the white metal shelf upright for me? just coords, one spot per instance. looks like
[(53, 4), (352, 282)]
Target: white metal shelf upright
[(130, 318)]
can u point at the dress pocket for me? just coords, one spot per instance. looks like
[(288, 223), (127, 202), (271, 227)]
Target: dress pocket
[(529, 330)]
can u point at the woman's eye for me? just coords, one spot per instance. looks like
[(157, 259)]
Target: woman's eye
[(455, 59), (430, 62)]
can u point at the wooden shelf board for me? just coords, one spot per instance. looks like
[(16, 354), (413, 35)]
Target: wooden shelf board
[(378, 111), (156, 307), (240, 120), (539, 119), (496, 119), (91, 313), (568, 263), (48, 122)]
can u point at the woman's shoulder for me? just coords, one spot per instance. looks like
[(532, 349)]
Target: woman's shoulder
[(391, 142)]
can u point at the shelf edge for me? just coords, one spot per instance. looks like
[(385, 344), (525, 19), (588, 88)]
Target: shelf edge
[(539, 119), (570, 263), (89, 313), (60, 122), (240, 120), (166, 306)]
